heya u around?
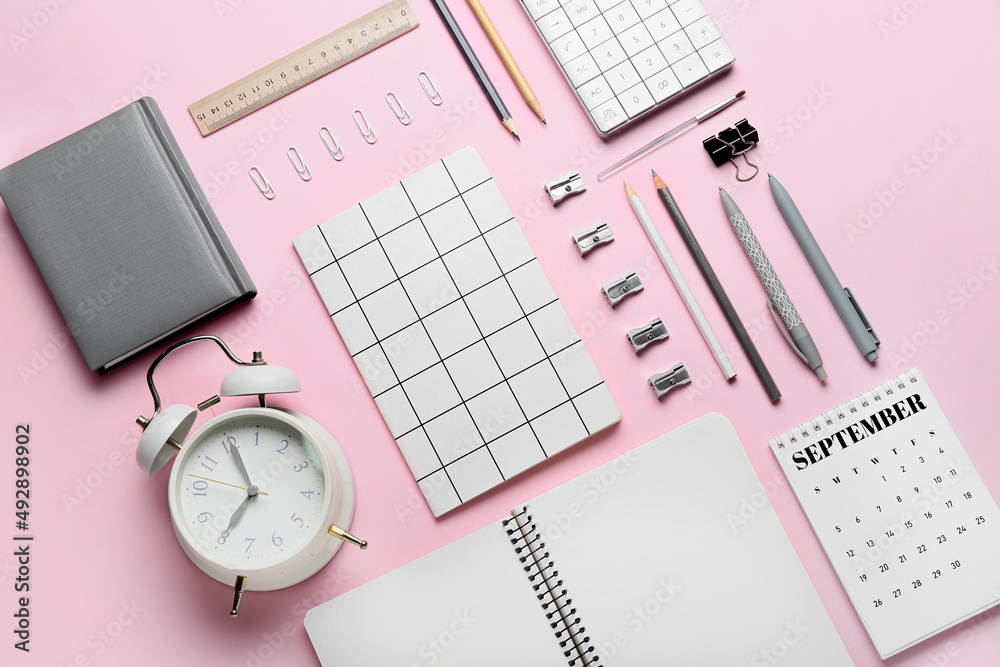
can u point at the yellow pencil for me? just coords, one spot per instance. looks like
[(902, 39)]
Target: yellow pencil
[(507, 58)]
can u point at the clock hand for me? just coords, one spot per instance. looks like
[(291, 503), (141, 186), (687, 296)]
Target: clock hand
[(239, 463), (251, 494), (235, 486)]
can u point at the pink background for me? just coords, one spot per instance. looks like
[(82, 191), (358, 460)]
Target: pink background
[(846, 99)]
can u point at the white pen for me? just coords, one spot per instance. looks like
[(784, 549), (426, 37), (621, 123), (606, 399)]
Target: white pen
[(794, 329)]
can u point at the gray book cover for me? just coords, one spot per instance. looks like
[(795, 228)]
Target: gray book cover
[(123, 235)]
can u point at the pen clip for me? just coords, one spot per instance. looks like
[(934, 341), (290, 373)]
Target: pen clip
[(861, 314), (784, 332)]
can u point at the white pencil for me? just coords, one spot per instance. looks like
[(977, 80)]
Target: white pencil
[(675, 275)]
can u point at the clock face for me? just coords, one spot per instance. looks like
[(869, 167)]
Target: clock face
[(256, 522)]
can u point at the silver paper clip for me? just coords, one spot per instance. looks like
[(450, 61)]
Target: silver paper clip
[(261, 182), (560, 188), (643, 336), (664, 382), (366, 131), (336, 152), (430, 90), (617, 290), (300, 165), (589, 239), (397, 108)]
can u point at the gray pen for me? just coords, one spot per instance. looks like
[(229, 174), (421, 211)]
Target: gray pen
[(796, 334), (845, 303)]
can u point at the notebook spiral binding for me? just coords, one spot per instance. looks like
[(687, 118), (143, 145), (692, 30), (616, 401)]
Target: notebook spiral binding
[(841, 412), (550, 590)]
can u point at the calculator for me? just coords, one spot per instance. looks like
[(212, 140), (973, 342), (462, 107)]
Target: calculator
[(627, 58)]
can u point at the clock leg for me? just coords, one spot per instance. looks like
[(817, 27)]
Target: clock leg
[(240, 588), (342, 534)]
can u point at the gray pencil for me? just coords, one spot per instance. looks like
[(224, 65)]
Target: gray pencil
[(720, 294), (477, 67)]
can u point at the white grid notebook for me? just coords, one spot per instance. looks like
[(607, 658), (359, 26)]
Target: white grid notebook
[(456, 331)]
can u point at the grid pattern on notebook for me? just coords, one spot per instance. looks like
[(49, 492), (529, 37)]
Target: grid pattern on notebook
[(626, 57), (456, 331)]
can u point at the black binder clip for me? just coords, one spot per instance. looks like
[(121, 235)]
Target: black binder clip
[(731, 143)]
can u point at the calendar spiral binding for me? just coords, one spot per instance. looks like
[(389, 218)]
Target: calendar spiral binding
[(550, 590), (841, 412)]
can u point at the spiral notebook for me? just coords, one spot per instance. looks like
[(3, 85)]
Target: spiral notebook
[(456, 331), (900, 510), (648, 556)]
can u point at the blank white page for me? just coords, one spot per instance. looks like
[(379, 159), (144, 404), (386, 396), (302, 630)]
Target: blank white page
[(672, 554), (468, 603)]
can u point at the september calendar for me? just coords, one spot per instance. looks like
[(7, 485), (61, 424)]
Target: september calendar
[(900, 510)]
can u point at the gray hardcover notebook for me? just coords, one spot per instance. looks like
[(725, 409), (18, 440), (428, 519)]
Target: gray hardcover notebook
[(123, 235)]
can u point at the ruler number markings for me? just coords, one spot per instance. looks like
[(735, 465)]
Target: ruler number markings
[(301, 67)]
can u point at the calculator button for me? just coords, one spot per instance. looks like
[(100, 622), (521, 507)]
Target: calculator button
[(622, 77), (554, 24), (539, 8), (635, 39), (595, 93), (649, 62), (662, 25), (702, 32), (717, 55), (690, 70), (609, 54), (567, 47), (582, 70), (676, 47), (664, 85), (595, 32), (622, 17), (688, 11), (636, 100), (646, 8), (609, 115), (607, 5), (580, 11)]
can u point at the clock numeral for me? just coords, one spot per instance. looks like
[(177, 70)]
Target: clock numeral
[(204, 516), (209, 468), (308, 494), (230, 441), (256, 439), (251, 540), (282, 450), (275, 540), (202, 486), (297, 520), (223, 537), (301, 467)]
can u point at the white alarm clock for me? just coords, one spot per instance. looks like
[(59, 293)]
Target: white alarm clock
[(260, 498)]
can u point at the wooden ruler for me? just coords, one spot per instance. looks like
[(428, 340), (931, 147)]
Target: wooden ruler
[(304, 66)]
